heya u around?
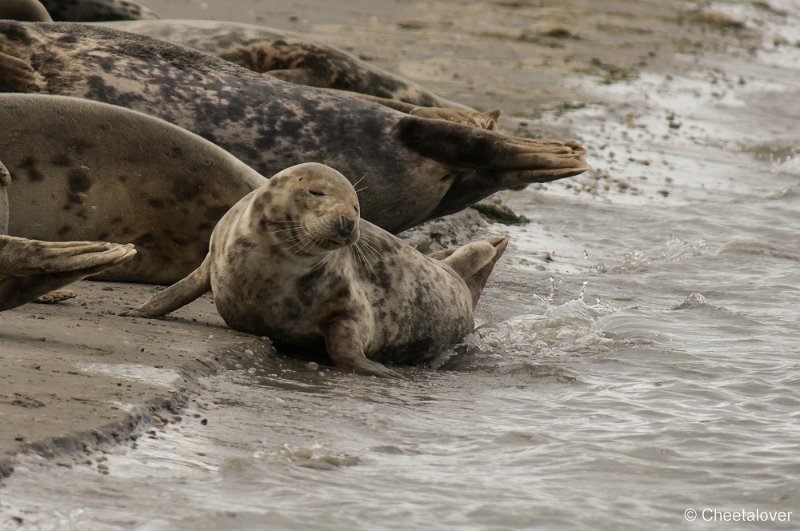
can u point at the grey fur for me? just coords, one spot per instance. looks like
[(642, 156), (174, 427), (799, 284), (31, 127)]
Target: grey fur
[(289, 56), (30, 268), (291, 260), (413, 169), (91, 171)]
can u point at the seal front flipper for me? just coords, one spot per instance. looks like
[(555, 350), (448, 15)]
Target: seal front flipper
[(179, 294), (30, 268), (346, 350), (16, 75)]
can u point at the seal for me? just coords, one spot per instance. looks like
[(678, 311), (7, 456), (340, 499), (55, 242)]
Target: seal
[(30, 10), (31, 268), (292, 260), (289, 56), (411, 169), (102, 172), (96, 10)]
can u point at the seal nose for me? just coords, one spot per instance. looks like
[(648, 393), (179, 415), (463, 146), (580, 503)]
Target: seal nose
[(346, 226)]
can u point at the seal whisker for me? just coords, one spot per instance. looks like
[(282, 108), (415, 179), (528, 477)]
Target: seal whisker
[(287, 221), (368, 242), (277, 231), (361, 257)]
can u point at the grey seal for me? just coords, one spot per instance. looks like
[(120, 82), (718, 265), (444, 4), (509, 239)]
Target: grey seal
[(292, 260), (412, 169), (101, 172), (290, 56), (97, 10), (31, 268)]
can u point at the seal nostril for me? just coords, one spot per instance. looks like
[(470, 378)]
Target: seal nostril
[(346, 226)]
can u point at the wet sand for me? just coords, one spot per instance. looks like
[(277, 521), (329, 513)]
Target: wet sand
[(75, 377)]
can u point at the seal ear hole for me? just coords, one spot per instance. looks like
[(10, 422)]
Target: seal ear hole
[(317, 193)]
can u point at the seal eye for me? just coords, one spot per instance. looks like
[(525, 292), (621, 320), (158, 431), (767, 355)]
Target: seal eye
[(317, 193)]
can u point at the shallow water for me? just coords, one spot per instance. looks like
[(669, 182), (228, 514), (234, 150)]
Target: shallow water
[(637, 354)]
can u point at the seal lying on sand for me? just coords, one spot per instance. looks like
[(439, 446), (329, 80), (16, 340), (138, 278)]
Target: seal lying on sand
[(411, 169), (30, 268), (96, 10), (288, 56), (293, 261), (91, 171)]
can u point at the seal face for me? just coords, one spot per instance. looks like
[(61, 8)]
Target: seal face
[(292, 260), (413, 168)]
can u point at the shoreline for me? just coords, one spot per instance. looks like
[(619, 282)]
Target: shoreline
[(76, 377)]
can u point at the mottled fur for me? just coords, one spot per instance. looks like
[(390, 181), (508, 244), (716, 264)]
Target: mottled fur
[(293, 261), (90, 171), (413, 169), (288, 56), (30, 268)]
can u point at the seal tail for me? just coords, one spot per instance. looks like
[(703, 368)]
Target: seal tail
[(179, 294), (31, 268), (474, 262)]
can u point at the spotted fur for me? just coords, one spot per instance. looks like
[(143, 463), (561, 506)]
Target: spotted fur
[(284, 263), (31, 268), (90, 171), (411, 169), (289, 56)]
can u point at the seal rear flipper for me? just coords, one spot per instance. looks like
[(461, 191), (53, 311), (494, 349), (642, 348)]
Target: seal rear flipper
[(16, 75), (30, 268), (179, 294), (459, 146), (347, 352), (483, 162), (475, 261)]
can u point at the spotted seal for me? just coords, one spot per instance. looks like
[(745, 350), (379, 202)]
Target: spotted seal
[(292, 260), (102, 172), (31, 268), (412, 169), (97, 10), (292, 57)]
